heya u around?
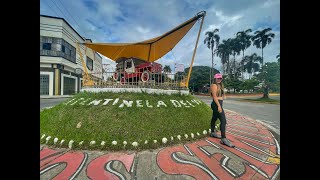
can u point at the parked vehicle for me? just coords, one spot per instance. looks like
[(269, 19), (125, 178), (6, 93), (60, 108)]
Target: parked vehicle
[(135, 70)]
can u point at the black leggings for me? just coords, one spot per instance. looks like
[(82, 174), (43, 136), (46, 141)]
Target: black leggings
[(221, 116)]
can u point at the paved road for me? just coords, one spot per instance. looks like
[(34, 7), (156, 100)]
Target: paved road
[(267, 113), (51, 102)]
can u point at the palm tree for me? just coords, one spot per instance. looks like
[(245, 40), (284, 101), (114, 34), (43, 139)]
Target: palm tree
[(245, 42), (252, 63), (223, 51), (167, 69), (235, 49), (211, 39), (260, 40)]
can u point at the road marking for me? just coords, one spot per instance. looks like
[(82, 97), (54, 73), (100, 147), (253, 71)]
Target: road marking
[(259, 149), (203, 150), (50, 167), (195, 164), (188, 150), (80, 167), (268, 143), (262, 173), (212, 144), (114, 172), (225, 167), (252, 156)]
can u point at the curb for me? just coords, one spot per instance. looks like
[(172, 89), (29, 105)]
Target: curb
[(49, 107), (272, 129), (55, 97)]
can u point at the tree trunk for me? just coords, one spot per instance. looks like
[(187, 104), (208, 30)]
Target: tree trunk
[(262, 58), (228, 67), (242, 64), (234, 65), (211, 64), (266, 92), (223, 68), (211, 73)]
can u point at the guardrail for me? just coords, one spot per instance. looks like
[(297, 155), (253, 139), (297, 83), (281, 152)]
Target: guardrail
[(145, 79)]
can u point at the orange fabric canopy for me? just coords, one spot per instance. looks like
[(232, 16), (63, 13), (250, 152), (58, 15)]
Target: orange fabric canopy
[(148, 50)]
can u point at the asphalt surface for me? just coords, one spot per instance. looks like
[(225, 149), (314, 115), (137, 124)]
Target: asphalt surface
[(51, 102)]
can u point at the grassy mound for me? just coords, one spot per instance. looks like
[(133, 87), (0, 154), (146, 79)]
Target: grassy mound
[(92, 117)]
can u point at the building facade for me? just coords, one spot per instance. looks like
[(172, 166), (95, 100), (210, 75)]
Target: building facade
[(61, 65)]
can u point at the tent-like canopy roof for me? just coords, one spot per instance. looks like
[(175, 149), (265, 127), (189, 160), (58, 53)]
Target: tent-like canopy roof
[(148, 50)]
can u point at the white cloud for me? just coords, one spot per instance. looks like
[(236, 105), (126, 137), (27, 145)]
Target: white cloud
[(133, 21)]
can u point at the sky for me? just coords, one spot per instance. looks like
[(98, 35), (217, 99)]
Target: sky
[(126, 21)]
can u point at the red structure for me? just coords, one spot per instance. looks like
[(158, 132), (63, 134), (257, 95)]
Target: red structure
[(134, 70)]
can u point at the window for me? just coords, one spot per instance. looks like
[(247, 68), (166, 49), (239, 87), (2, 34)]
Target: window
[(89, 63), (129, 64), (52, 46), (44, 84), (69, 86), (46, 46)]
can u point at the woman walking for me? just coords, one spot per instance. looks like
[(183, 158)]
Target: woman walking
[(217, 94)]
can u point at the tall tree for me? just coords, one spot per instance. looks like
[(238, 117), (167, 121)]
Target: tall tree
[(260, 40), (245, 42), (251, 63), (167, 69), (223, 51), (271, 77), (235, 49), (212, 38)]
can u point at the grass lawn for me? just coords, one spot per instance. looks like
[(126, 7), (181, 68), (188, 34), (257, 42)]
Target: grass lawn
[(262, 100), (78, 120)]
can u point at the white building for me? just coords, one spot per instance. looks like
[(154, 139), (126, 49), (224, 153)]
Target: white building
[(59, 58)]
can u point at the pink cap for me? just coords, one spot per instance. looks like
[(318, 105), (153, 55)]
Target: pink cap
[(218, 76)]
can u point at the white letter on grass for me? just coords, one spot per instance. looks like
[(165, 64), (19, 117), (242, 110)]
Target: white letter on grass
[(147, 103), (127, 103), (115, 101), (107, 101), (175, 103), (95, 102), (139, 104), (161, 103)]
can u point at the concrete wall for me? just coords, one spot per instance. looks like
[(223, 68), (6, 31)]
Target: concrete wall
[(138, 90)]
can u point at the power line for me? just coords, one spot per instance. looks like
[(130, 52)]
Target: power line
[(73, 19), (59, 8), (53, 10)]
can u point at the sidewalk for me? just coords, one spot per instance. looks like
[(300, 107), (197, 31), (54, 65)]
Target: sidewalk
[(242, 95), (55, 97), (256, 156)]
